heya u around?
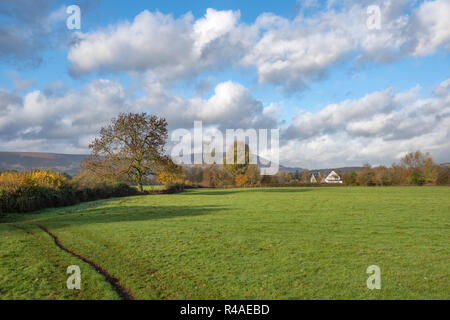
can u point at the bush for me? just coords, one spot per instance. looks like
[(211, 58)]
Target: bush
[(39, 189), (241, 180), (174, 188), (417, 178)]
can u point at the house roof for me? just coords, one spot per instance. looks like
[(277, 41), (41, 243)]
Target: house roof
[(333, 176)]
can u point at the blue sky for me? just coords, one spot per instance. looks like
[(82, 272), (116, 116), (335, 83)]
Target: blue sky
[(285, 64)]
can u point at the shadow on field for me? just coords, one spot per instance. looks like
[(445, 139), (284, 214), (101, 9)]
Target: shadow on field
[(213, 192), (126, 214)]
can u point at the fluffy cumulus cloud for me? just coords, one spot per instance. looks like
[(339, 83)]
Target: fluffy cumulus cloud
[(289, 53), (335, 116), (44, 121), (230, 106), (292, 53), (171, 48), (59, 117), (378, 128), (432, 27)]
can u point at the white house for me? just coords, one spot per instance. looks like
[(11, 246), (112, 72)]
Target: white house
[(313, 179), (333, 177)]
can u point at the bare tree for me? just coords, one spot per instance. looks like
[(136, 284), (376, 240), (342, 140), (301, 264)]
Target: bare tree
[(414, 160), (306, 176)]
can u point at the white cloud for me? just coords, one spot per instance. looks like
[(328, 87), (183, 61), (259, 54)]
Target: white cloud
[(336, 116), (59, 119), (432, 25), (292, 53), (377, 128), (171, 48), (289, 53), (214, 25), (73, 117), (152, 40), (230, 106)]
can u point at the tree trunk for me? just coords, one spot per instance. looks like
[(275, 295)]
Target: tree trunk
[(139, 181)]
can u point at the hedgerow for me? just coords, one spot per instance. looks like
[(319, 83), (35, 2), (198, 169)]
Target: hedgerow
[(39, 189)]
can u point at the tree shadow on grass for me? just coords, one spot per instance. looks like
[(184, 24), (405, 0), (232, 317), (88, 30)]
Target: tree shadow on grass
[(73, 216), (216, 192)]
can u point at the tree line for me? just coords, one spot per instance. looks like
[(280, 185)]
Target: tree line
[(132, 149), (415, 168)]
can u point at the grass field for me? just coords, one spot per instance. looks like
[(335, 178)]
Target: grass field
[(280, 243)]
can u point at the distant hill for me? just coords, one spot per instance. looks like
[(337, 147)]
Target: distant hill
[(21, 161), (291, 170), (67, 163)]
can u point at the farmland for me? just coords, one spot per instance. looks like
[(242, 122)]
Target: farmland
[(274, 243)]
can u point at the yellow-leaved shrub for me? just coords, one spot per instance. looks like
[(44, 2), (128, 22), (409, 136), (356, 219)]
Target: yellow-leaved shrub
[(39, 189)]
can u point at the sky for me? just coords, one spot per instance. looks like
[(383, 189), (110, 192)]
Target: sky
[(344, 84)]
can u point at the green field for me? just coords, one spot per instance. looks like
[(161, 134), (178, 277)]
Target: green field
[(279, 243)]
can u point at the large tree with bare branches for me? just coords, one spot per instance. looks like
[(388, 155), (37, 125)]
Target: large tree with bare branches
[(131, 145)]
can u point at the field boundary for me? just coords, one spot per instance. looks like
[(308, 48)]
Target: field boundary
[(122, 291)]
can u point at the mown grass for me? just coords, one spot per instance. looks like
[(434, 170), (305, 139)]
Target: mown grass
[(279, 243)]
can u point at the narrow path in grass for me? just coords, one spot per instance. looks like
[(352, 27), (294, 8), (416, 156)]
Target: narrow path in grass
[(122, 291)]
